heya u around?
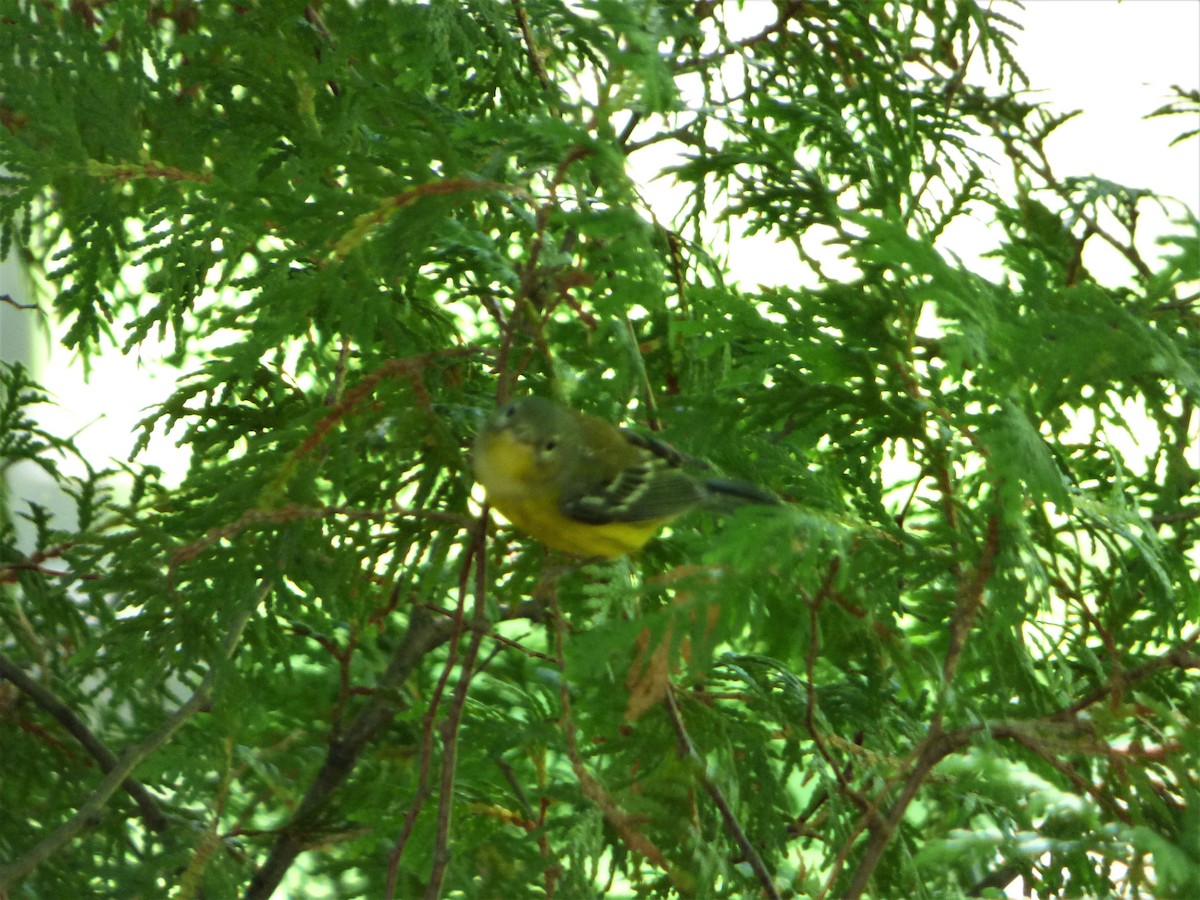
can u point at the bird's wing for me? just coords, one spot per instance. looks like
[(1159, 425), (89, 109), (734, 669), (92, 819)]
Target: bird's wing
[(652, 489), (662, 450)]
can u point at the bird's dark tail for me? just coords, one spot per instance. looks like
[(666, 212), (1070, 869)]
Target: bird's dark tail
[(725, 493)]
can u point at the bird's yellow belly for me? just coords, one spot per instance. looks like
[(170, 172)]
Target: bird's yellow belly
[(609, 540)]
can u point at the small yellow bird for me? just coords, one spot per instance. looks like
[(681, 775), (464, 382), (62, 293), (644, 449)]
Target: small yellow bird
[(584, 486)]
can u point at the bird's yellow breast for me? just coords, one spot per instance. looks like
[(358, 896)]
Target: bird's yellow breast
[(548, 524)]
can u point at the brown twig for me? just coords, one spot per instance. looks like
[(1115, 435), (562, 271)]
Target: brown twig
[(970, 598), (456, 622), (938, 744), (530, 308), (870, 811), (810, 713), (1041, 167), (34, 563), (422, 791), (1181, 656), (7, 298), (389, 206), (535, 59), (936, 747), (294, 512)]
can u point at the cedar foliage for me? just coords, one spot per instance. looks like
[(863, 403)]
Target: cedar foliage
[(963, 654)]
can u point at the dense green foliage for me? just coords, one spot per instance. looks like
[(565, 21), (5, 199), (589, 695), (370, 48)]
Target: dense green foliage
[(965, 652)]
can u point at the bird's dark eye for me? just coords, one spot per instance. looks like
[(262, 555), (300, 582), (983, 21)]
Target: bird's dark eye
[(550, 444), (510, 411)]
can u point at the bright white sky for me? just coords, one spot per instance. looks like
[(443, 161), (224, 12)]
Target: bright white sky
[(1116, 61)]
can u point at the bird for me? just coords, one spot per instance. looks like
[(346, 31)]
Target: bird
[(586, 487)]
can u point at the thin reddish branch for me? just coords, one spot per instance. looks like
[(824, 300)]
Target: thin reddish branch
[(814, 651), (535, 58), (938, 744), (971, 593), (388, 207), (294, 512), (1181, 656), (450, 729), (34, 563), (936, 747)]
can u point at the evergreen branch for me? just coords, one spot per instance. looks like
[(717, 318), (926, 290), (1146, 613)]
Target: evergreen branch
[(133, 756), (687, 748), (1042, 167), (383, 185), (934, 748), (152, 814), (532, 309), (1181, 656), (9, 572), (622, 823), (123, 172), (383, 212), (939, 744), (344, 750), (411, 368), (810, 686), (294, 512), (422, 791), (970, 599), (536, 65)]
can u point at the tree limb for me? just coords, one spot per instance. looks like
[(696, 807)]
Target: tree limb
[(152, 814), (131, 758), (423, 635)]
